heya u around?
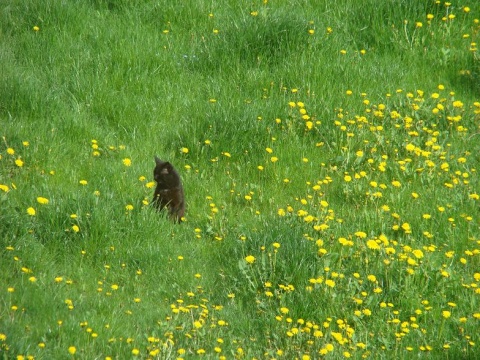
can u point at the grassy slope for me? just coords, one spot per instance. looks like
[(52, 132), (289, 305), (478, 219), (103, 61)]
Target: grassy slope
[(155, 77)]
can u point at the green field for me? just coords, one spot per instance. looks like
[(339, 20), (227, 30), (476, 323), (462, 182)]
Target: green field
[(329, 152)]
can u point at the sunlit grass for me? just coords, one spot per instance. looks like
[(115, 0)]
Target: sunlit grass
[(329, 156)]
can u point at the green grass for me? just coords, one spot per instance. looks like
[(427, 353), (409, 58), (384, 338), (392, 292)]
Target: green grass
[(329, 154)]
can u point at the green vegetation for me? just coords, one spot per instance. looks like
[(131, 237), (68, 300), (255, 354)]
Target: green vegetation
[(329, 152)]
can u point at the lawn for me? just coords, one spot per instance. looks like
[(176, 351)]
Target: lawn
[(329, 152)]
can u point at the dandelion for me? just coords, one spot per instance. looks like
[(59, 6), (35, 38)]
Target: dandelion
[(31, 211), (72, 350), (396, 183), (42, 200), (330, 283), (184, 150), (418, 253), (83, 182), (36, 28), (373, 245), (250, 259), (75, 228), (273, 159), (19, 162), (4, 188), (361, 234), (127, 162), (129, 207), (406, 227), (10, 151)]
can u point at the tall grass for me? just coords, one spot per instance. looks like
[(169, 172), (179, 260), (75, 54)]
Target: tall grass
[(329, 155)]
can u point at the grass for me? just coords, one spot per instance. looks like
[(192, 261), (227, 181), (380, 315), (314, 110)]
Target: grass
[(329, 155)]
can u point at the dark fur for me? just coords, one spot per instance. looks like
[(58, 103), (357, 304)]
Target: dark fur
[(169, 190)]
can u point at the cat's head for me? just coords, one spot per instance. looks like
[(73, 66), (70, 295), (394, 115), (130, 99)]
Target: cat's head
[(164, 173)]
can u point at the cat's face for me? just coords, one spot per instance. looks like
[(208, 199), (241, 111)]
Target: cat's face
[(164, 174)]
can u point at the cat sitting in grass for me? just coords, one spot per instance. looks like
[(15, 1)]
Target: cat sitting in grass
[(169, 191)]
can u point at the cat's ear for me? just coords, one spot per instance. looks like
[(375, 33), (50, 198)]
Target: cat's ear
[(158, 161)]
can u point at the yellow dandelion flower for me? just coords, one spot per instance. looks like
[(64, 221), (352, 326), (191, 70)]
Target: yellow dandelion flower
[(31, 211), (19, 162), (127, 162), (330, 283), (42, 200), (75, 228), (372, 244), (4, 188), (184, 150), (72, 350), (250, 259)]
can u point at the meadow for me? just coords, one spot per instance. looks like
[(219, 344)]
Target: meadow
[(329, 152)]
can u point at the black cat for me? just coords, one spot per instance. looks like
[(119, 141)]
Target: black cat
[(169, 190)]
